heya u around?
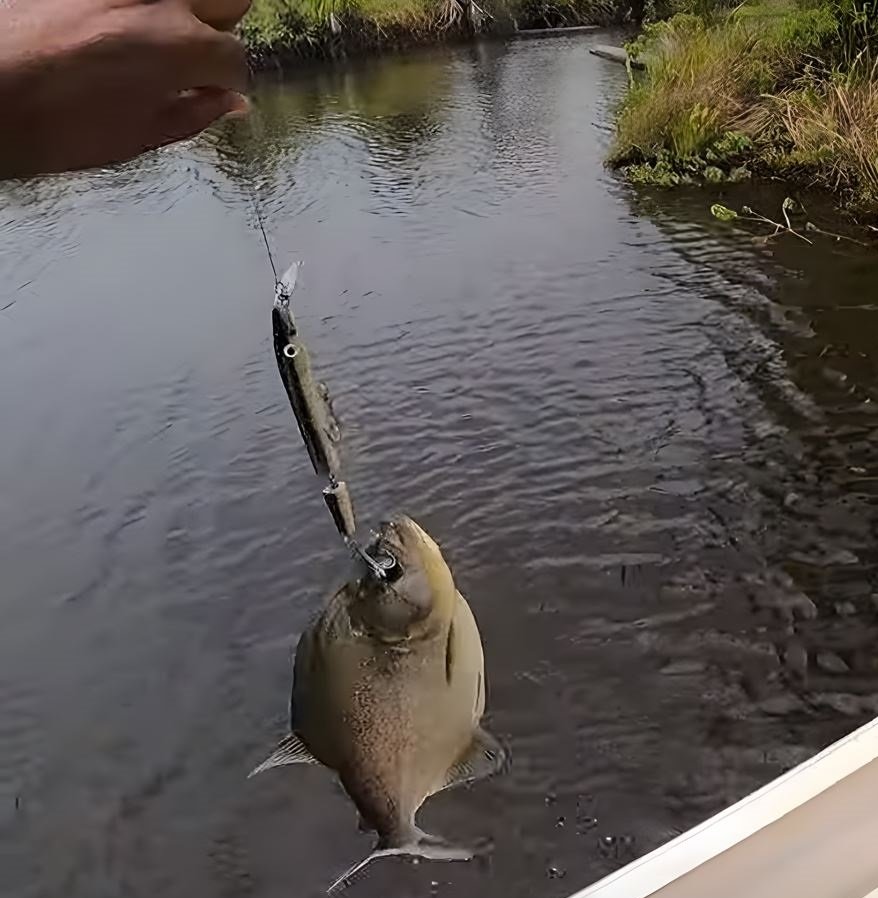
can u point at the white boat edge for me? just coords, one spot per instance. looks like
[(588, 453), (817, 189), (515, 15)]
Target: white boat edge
[(686, 852)]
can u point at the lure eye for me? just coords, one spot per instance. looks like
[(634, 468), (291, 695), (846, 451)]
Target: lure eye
[(291, 351)]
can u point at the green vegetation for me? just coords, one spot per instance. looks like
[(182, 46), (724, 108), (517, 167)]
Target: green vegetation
[(275, 29), (772, 87)]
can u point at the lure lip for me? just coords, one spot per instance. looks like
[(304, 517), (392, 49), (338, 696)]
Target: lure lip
[(283, 289), (284, 324)]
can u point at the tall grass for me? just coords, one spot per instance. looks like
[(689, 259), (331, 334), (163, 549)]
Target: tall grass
[(832, 131), (797, 83), (320, 27)]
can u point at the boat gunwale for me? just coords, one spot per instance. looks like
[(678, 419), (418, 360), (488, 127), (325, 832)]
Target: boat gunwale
[(753, 813)]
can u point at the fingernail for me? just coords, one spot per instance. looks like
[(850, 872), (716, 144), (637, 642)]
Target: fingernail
[(237, 105)]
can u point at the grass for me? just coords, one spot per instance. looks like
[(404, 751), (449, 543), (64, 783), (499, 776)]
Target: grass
[(831, 133), (275, 29), (774, 87)]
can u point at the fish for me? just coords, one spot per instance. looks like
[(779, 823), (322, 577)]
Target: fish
[(389, 692)]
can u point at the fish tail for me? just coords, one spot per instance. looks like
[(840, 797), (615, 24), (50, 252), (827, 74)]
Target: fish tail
[(417, 844)]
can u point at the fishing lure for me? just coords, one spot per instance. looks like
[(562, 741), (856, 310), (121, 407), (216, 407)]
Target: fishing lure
[(318, 426)]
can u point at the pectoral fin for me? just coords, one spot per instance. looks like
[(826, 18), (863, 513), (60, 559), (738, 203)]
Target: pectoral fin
[(290, 751), (484, 757)]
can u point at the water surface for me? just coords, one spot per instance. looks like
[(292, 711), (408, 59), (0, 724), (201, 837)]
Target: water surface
[(646, 444)]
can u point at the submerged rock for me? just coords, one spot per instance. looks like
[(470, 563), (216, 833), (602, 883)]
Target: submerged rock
[(829, 662)]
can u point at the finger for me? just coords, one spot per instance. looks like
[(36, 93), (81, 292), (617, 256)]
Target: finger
[(221, 14), (194, 111), (210, 58)]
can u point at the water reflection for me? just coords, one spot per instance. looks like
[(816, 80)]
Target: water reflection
[(389, 691), (393, 106)]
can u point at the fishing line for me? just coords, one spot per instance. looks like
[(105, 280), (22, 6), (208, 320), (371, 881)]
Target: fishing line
[(253, 199), (254, 195), (383, 566)]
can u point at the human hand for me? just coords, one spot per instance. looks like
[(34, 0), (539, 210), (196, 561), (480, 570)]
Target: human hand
[(91, 82)]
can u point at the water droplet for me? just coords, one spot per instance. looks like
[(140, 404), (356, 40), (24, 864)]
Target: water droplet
[(556, 873), (608, 840), (551, 798), (561, 822)]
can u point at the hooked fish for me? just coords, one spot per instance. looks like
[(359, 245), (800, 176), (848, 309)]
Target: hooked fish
[(389, 690)]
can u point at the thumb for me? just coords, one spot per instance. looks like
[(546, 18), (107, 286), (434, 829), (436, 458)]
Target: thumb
[(194, 110)]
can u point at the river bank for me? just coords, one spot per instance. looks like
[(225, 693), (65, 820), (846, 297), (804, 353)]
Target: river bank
[(282, 32), (772, 88)]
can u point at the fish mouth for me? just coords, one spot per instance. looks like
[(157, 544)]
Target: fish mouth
[(397, 540)]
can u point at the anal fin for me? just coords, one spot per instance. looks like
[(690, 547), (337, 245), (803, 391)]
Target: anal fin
[(484, 757), (290, 750)]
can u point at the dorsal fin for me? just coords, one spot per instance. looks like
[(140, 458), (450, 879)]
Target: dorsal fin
[(484, 757), (290, 750)]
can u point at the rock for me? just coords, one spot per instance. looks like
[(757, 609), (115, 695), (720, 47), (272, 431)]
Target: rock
[(795, 659), (786, 602), (842, 557), (803, 607), (829, 662), (844, 703), (739, 174), (683, 668), (781, 705)]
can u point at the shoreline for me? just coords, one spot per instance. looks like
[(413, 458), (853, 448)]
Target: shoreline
[(284, 46), (766, 91)]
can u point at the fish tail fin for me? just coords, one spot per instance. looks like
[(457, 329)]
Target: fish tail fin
[(416, 844), (434, 848)]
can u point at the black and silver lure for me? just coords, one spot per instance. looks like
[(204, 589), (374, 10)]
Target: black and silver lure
[(318, 426)]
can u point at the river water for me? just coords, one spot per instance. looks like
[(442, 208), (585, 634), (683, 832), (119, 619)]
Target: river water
[(646, 444)]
